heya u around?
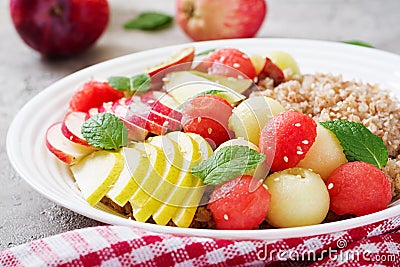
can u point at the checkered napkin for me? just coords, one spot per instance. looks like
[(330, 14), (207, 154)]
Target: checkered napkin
[(376, 244)]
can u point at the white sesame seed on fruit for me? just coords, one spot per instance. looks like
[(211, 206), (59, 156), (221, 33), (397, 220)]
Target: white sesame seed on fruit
[(209, 130), (226, 217), (330, 186), (199, 119), (298, 124), (305, 142), (299, 152), (285, 159), (236, 65)]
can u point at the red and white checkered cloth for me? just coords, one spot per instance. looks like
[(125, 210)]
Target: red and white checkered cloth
[(376, 244)]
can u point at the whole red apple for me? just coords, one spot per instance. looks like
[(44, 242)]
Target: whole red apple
[(210, 19), (59, 27)]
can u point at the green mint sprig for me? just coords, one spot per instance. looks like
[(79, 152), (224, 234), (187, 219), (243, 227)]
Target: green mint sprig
[(139, 83), (358, 143), (105, 131), (149, 21), (227, 163)]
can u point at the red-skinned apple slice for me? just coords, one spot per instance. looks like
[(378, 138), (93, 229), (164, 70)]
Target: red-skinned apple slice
[(72, 125), (272, 71), (162, 103), (175, 63), (64, 149)]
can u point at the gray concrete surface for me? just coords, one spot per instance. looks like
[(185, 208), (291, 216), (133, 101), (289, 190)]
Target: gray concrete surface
[(26, 215)]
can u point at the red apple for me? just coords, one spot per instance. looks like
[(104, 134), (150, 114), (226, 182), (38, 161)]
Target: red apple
[(72, 125), (64, 149), (223, 19), (59, 27)]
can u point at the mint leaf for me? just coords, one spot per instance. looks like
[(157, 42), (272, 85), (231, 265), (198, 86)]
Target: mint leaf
[(149, 21), (140, 82), (205, 52), (358, 143), (359, 43), (105, 131), (227, 163), (120, 83)]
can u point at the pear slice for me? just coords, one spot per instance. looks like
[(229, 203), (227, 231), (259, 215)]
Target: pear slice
[(136, 165), (183, 85), (162, 187), (96, 173), (183, 216), (191, 153), (155, 171)]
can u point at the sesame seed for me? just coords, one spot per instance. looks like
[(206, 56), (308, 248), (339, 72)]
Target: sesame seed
[(222, 58), (285, 159), (165, 124), (70, 138), (297, 124), (209, 130), (299, 152), (305, 142), (226, 217), (236, 65), (199, 119), (330, 186), (151, 101), (245, 56)]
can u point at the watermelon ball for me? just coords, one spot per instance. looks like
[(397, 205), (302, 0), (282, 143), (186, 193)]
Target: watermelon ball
[(358, 188), (286, 139), (239, 204)]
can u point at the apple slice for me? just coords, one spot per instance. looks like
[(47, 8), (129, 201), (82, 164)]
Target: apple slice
[(272, 71), (162, 103), (96, 173), (72, 125), (161, 187), (191, 154), (184, 215), (63, 148), (184, 85), (175, 63), (136, 166)]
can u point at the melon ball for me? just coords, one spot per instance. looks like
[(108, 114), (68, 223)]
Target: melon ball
[(250, 116), (299, 197), (325, 155)]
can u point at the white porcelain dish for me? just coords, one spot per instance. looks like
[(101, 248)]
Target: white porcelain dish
[(29, 156)]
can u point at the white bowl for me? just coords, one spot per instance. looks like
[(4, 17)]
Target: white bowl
[(29, 156)]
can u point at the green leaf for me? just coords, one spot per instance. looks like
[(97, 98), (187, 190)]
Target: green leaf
[(227, 163), (359, 43), (140, 82), (105, 131), (358, 143), (205, 52), (149, 21), (120, 83)]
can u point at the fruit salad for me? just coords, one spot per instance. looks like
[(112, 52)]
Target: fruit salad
[(196, 142)]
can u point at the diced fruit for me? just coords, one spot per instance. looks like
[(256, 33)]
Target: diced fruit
[(96, 173), (72, 125), (284, 61), (272, 71), (184, 215), (250, 116), (93, 94), (184, 85), (228, 62), (64, 149), (208, 115), (358, 188), (184, 182), (182, 60), (148, 183), (299, 197), (136, 165), (286, 139), (325, 155), (235, 205)]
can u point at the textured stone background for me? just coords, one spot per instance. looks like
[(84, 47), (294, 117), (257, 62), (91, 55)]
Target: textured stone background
[(24, 214)]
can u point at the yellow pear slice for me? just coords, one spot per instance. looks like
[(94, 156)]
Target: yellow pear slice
[(191, 153), (183, 85), (149, 181), (96, 173), (162, 186), (183, 216), (136, 165)]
